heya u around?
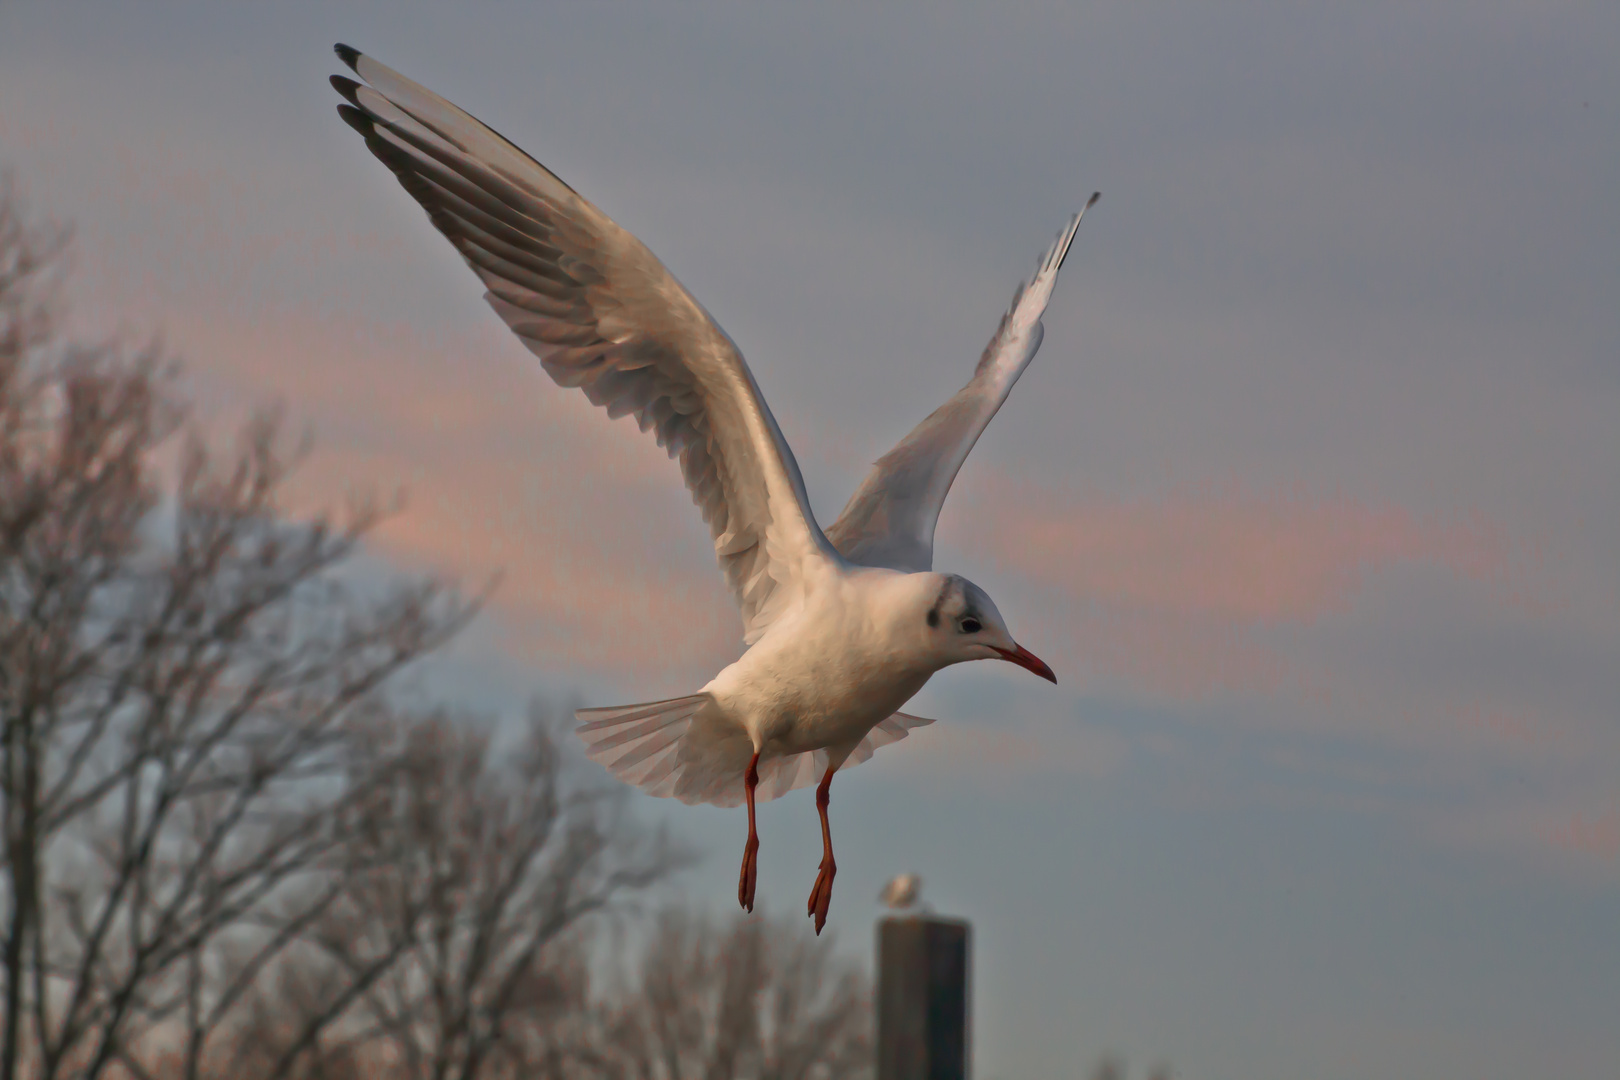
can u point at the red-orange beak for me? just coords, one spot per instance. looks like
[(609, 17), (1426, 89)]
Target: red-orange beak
[(1026, 659)]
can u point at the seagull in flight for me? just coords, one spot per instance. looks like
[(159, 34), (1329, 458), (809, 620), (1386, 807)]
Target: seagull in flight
[(842, 626)]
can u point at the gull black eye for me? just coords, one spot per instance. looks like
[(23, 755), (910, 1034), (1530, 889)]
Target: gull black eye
[(933, 617), (971, 626)]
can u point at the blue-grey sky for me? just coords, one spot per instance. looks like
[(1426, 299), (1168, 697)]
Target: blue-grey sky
[(1310, 497)]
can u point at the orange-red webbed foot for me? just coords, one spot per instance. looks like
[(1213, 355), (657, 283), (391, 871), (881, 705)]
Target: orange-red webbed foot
[(821, 895)]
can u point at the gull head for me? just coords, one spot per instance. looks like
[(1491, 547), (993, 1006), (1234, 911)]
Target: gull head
[(959, 622)]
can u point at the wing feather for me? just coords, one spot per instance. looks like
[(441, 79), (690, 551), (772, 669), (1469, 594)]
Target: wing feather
[(890, 519), (603, 315)]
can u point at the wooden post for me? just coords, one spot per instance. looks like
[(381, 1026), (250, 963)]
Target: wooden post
[(922, 1014)]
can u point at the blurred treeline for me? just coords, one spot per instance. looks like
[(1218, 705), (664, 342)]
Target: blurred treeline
[(233, 847)]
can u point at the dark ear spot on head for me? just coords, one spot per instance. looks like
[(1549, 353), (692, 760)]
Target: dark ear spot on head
[(933, 616)]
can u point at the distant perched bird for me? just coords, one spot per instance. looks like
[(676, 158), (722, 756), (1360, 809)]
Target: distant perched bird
[(902, 892), (842, 627)]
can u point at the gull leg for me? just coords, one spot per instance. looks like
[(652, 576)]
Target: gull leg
[(821, 895), (750, 863)]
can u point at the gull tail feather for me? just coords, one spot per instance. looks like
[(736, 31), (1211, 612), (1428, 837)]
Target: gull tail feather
[(642, 744), (684, 749)]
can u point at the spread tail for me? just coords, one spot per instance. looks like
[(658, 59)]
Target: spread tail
[(641, 744)]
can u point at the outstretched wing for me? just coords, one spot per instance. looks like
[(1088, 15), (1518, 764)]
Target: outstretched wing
[(602, 314), (890, 519)]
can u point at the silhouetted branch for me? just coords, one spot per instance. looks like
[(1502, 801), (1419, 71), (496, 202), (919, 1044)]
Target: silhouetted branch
[(473, 873), (190, 687), (756, 999)]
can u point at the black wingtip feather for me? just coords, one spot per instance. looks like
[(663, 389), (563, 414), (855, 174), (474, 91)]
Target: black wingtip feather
[(348, 54), (357, 120), (1064, 254), (347, 87)]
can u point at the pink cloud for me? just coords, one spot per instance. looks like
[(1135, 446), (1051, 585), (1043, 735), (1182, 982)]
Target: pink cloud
[(1593, 836), (606, 566), (1237, 556), (1181, 596), (604, 563), (1570, 830)]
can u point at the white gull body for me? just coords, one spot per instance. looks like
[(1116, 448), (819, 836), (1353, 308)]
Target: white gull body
[(842, 627)]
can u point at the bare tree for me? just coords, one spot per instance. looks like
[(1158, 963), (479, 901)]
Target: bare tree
[(459, 938), (227, 852), (189, 690), (754, 1000)]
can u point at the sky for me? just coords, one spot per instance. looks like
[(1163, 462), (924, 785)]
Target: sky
[(1310, 497)]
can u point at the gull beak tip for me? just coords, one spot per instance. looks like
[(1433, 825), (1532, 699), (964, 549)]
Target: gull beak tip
[(1029, 661)]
